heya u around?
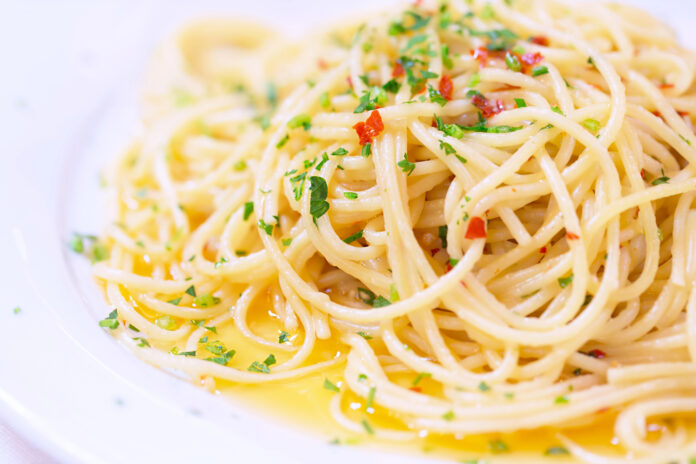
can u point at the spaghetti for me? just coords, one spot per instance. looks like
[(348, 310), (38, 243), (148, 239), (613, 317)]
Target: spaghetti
[(487, 207)]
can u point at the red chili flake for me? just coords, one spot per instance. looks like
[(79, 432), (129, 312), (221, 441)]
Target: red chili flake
[(369, 129), (476, 229), (446, 87), (602, 410), (642, 174), (683, 113), (448, 267), (350, 81), (531, 59), (599, 354), (322, 64), (416, 389), (434, 251), (540, 40), (666, 86), (487, 108), (480, 54), (542, 250), (398, 70), (572, 236)]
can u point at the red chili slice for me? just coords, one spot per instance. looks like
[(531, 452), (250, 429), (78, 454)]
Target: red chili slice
[(599, 354), (480, 54), (540, 40), (369, 129), (398, 70), (446, 87), (476, 229), (572, 236)]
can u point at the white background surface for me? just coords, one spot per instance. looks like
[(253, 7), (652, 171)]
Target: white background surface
[(74, 399)]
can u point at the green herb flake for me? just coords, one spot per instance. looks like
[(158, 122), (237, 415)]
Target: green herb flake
[(166, 322), (448, 416), (350, 195), (110, 322), (420, 377), (331, 386), (520, 103), (318, 206), (370, 398), (240, 165), (592, 125), (175, 301), (324, 100), (436, 96), (484, 387), (539, 71), (661, 180), (283, 141), (497, 447), (406, 166), (191, 291), (268, 228), (368, 428), (447, 148), (354, 237), (512, 62), (366, 150), (284, 337), (206, 300), (301, 120), (365, 335), (565, 281), (556, 451)]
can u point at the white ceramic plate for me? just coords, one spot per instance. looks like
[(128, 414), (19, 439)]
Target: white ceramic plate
[(65, 384)]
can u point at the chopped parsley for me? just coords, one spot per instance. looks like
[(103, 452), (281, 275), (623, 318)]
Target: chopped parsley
[(340, 152), (592, 124), (301, 120), (368, 427), (318, 206), (555, 451), (370, 398), (448, 416), (324, 100), (497, 446), (200, 323), (110, 322), (539, 70), (391, 86), (420, 377), (442, 234), (248, 209), (284, 337), (268, 228), (661, 180), (512, 62), (520, 102), (166, 322), (484, 387), (366, 150), (331, 386), (240, 165), (324, 160), (350, 195), (283, 141), (406, 166), (446, 59), (447, 148), (436, 96), (563, 399), (262, 367), (371, 99), (365, 335), (191, 291), (354, 237), (565, 281)]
